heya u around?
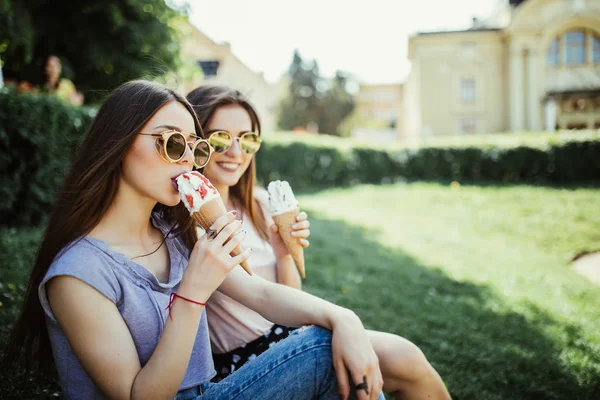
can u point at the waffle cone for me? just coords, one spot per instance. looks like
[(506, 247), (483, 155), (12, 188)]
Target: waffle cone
[(284, 224), (208, 214)]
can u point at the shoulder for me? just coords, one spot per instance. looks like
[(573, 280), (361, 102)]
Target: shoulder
[(82, 256), (87, 263)]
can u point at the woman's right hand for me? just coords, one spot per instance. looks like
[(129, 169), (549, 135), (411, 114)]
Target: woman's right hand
[(210, 260)]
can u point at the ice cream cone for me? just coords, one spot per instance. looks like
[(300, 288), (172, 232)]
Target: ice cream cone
[(284, 224), (204, 203), (208, 214)]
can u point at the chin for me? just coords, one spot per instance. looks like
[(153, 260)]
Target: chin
[(171, 201), (232, 181)]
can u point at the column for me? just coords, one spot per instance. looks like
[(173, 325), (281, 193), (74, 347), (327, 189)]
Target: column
[(550, 109), (516, 88), (533, 104)]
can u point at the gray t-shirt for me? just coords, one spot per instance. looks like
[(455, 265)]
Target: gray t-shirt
[(140, 298)]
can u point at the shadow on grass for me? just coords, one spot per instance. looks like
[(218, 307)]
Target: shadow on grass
[(481, 348)]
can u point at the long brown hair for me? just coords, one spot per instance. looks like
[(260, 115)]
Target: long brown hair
[(88, 191), (206, 100)]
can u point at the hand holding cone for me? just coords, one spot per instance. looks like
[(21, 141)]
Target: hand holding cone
[(284, 223), (204, 203), (284, 209)]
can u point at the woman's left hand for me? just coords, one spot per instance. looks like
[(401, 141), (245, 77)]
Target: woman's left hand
[(300, 229), (354, 358)]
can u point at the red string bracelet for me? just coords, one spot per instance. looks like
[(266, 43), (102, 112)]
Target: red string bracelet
[(172, 299)]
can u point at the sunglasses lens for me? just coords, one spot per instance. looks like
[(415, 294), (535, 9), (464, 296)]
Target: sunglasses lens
[(176, 146), (250, 143), (201, 154), (220, 141)]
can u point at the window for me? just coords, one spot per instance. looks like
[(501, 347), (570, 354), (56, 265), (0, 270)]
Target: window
[(209, 67), (553, 56), (572, 49), (468, 125), (467, 91), (575, 43)]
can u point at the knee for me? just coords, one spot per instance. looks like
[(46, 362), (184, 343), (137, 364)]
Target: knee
[(408, 361)]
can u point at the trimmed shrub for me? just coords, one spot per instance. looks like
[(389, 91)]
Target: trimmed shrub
[(38, 136), (309, 165)]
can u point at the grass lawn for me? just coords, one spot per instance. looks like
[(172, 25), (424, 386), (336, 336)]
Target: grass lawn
[(477, 276)]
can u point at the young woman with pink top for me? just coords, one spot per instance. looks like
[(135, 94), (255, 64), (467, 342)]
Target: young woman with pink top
[(238, 334)]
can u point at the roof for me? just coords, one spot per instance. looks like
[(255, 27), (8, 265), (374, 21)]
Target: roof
[(461, 31)]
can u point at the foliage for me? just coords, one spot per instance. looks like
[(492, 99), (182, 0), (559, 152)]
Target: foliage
[(311, 100), (306, 163), (102, 43), (38, 137), (339, 104)]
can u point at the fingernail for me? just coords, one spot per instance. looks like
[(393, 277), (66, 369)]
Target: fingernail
[(294, 226), (234, 212)]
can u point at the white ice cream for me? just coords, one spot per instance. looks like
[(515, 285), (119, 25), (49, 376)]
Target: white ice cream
[(195, 189), (281, 197)]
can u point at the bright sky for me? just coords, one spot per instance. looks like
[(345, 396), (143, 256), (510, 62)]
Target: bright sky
[(367, 38)]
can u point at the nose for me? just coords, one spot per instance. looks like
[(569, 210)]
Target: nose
[(235, 147), (188, 156)]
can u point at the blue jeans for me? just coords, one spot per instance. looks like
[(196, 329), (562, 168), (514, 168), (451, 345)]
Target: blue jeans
[(298, 367)]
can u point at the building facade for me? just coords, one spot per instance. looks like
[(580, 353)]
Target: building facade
[(220, 66), (379, 108), (533, 66)]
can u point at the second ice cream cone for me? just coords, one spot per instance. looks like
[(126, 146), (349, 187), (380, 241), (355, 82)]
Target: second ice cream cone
[(284, 224)]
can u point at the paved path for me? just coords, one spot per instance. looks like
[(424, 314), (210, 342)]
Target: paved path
[(589, 266)]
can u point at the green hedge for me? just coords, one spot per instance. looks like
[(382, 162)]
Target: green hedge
[(308, 165), (38, 136)]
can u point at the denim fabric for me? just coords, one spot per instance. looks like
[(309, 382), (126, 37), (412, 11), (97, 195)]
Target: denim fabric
[(299, 367)]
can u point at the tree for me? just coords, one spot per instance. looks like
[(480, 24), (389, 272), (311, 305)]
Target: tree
[(311, 99), (303, 102), (102, 43), (339, 104)]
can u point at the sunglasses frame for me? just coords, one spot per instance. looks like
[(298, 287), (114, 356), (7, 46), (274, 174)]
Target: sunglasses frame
[(238, 138), (166, 135)]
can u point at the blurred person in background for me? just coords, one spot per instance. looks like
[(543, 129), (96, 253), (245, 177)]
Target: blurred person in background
[(60, 86), (238, 334)]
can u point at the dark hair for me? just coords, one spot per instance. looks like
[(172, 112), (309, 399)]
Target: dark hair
[(89, 189), (206, 100)]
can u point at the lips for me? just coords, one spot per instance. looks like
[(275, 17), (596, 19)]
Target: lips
[(229, 166), (174, 180)]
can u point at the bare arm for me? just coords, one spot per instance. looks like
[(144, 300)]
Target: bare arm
[(287, 273), (352, 350), (104, 346), (280, 304)]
